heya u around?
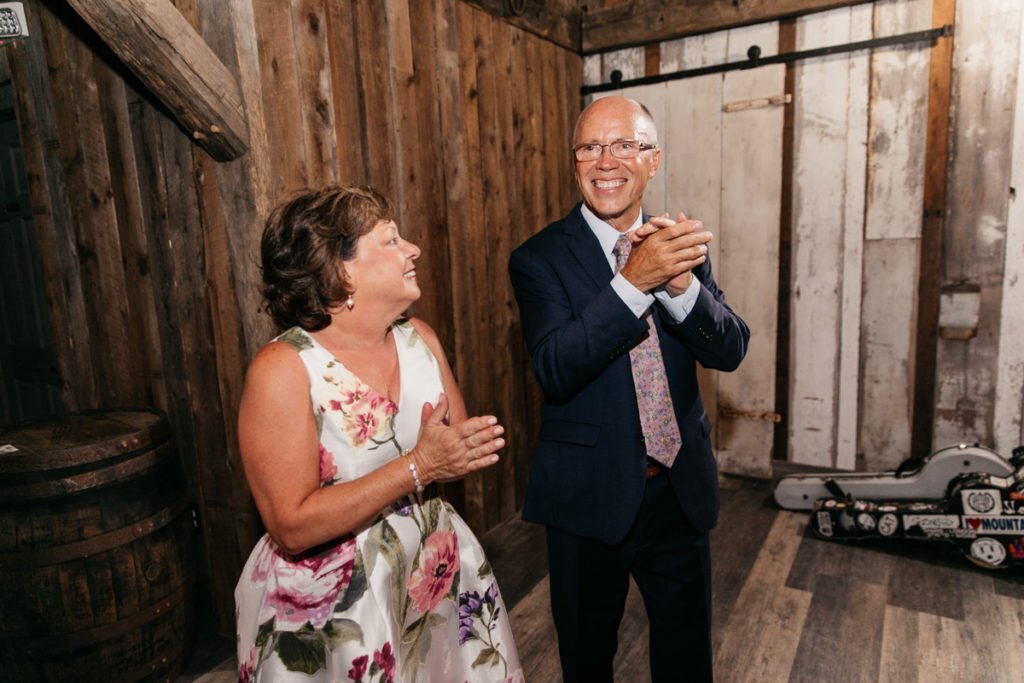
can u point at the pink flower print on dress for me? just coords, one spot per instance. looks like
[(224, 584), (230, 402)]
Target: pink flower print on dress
[(245, 669), (263, 561), (364, 426), (306, 589), (354, 396), (383, 404), (328, 470), (358, 669), (385, 659), (365, 413), (439, 563)]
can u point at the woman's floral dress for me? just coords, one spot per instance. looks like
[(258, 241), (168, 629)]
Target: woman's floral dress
[(410, 597)]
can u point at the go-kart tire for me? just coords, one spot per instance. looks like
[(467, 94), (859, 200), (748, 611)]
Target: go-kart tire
[(986, 552)]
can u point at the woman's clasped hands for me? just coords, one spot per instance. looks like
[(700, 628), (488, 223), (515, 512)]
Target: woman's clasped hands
[(448, 452)]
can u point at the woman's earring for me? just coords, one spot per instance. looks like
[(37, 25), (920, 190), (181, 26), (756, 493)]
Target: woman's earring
[(349, 302)]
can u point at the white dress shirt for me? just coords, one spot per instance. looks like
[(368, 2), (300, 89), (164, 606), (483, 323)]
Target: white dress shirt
[(678, 307)]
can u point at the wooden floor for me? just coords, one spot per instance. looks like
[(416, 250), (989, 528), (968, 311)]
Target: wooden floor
[(788, 607)]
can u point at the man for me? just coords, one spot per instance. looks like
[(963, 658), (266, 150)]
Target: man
[(623, 475)]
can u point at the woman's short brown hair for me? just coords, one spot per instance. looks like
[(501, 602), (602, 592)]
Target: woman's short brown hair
[(304, 242)]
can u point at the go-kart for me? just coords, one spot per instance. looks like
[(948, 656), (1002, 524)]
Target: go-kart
[(981, 513)]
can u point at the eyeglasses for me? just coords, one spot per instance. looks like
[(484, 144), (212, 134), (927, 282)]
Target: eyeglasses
[(620, 149)]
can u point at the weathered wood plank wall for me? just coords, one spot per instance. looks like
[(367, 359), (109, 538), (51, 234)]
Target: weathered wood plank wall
[(1009, 422), (27, 372), (892, 235), (891, 348), (150, 248), (826, 265), (975, 233)]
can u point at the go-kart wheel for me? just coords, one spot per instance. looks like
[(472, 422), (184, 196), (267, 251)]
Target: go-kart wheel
[(987, 553)]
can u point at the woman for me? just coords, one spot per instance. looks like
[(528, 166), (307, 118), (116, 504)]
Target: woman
[(344, 420)]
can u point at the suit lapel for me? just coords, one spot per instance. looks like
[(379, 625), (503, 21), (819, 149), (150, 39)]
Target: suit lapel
[(585, 248)]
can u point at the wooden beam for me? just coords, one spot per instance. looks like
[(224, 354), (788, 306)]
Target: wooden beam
[(555, 20), (609, 25), (160, 46), (935, 206)]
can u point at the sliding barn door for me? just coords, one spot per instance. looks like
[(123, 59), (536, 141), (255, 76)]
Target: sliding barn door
[(721, 139)]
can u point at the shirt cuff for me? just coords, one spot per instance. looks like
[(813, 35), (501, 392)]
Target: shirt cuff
[(637, 301), (678, 307)]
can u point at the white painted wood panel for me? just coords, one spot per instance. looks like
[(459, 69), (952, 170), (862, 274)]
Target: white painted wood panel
[(693, 179), (1009, 405), (692, 132), (853, 250), (592, 70), (694, 52), (975, 239), (749, 249), (895, 196), (629, 61), (899, 123), (829, 134), (887, 338)]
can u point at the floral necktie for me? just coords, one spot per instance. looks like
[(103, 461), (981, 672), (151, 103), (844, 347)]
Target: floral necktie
[(657, 418)]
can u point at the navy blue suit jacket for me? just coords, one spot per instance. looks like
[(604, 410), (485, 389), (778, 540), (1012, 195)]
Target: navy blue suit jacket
[(588, 473)]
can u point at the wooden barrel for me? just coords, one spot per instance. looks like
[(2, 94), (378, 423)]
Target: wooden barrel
[(96, 550)]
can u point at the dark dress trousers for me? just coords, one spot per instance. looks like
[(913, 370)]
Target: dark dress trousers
[(588, 475)]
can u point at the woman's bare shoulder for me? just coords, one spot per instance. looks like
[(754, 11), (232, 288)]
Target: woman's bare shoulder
[(428, 334), (278, 361)]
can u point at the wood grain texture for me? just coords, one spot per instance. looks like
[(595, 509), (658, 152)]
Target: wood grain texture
[(750, 190), (892, 231), (84, 158), (1008, 420), (885, 398), (829, 134), (52, 210), (503, 215), (609, 24), (936, 161), (555, 20), (974, 238), (170, 57), (244, 187), (319, 132), (154, 287), (279, 90), (692, 159), (140, 293)]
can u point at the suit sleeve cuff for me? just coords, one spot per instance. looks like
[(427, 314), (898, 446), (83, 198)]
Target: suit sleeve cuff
[(678, 307), (637, 301)]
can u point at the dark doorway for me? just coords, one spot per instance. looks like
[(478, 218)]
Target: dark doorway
[(29, 382)]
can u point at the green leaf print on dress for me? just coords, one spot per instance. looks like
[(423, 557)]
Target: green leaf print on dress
[(298, 338)]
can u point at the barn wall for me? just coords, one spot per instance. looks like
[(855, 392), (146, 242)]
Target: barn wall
[(149, 247), (899, 257)]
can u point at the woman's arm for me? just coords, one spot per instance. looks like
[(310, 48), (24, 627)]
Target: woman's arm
[(278, 440), (280, 451)]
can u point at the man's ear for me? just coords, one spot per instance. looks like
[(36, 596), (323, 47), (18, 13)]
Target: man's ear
[(655, 162)]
